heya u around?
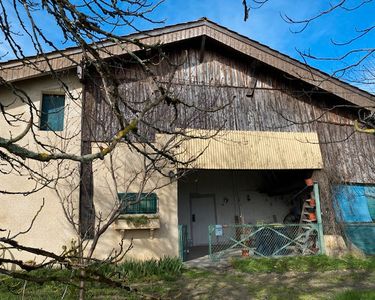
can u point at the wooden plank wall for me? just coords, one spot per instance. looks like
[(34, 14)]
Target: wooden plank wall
[(278, 103)]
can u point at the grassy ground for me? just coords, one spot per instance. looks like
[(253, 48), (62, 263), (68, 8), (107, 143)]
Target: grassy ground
[(318, 263), (316, 277), (362, 295)]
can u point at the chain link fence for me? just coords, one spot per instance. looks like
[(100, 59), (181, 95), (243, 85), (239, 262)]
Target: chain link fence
[(268, 240)]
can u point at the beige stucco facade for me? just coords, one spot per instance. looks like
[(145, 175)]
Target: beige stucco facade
[(51, 230), (129, 175)]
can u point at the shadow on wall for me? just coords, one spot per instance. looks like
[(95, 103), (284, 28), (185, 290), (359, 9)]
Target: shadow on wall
[(162, 242)]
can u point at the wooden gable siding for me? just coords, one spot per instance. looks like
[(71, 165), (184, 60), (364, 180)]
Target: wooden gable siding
[(71, 57), (277, 104)]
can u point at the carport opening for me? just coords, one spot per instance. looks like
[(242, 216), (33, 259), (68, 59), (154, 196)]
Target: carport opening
[(208, 197)]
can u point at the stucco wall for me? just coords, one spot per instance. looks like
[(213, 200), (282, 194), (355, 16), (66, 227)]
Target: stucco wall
[(50, 230), (129, 176)]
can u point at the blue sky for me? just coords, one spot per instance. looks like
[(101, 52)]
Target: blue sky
[(266, 26)]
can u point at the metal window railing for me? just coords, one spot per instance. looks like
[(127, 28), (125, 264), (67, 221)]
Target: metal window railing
[(135, 203)]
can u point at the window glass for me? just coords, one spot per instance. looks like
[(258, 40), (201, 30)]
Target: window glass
[(52, 117)]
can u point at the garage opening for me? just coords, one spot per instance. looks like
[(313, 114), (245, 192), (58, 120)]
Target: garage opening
[(242, 179), (235, 202)]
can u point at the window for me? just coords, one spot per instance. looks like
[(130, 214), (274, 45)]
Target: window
[(52, 117), (147, 203)]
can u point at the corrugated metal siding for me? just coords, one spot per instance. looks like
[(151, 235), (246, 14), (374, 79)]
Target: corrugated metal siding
[(251, 150)]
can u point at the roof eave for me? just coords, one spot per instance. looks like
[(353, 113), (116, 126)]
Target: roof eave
[(201, 27)]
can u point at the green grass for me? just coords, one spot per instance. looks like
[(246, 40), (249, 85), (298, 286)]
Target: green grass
[(356, 295), (149, 277), (167, 279), (318, 263), (195, 273)]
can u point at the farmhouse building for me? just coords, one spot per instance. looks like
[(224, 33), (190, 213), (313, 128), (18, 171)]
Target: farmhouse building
[(269, 127)]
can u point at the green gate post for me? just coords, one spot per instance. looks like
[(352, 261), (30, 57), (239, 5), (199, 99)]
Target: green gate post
[(319, 218), (211, 230), (180, 243), (209, 242)]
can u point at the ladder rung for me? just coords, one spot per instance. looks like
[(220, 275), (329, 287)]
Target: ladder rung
[(307, 220)]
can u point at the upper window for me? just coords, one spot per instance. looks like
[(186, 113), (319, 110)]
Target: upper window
[(52, 117), (144, 204)]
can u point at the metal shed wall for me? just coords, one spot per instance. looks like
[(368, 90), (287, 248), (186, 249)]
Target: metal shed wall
[(251, 150)]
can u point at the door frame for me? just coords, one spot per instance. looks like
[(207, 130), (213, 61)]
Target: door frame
[(197, 196)]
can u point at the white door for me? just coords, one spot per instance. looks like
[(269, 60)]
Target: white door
[(202, 215)]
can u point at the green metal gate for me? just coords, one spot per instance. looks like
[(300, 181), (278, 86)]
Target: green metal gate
[(267, 240), (182, 241)]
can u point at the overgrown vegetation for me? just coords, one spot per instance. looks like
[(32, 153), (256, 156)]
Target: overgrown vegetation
[(166, 269), (167, 279), (318, 263), (139, 275)]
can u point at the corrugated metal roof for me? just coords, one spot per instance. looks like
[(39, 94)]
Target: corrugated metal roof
[(250, 150)]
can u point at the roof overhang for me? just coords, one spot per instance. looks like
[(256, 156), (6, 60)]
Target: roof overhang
[(71, 58)]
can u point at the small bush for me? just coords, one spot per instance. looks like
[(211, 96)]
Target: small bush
[(166, 268)]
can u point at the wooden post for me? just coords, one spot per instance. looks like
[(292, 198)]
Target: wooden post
[(86, 191), (319, 218)]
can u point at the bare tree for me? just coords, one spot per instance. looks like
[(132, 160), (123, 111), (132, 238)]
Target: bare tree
[(56, 160), (352, 57), (354, 64), (357, 62)]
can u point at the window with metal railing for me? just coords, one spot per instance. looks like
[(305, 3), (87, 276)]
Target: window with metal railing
[(135, 203)]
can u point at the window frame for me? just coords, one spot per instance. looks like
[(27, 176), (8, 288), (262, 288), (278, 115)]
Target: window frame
[(43, 123)]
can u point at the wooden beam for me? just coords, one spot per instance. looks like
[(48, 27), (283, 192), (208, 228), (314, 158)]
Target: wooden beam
[(86, 188), (253, 83), (202, 49), (254, 65)]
